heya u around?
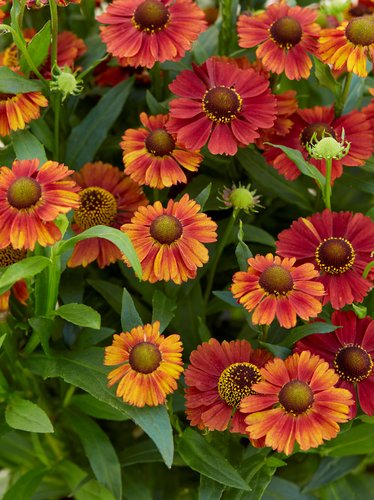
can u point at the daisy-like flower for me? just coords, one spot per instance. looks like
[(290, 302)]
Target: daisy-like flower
[(69, 49), (285, 35), (150, 365), (274, 287), (169, 241), (16, 110), (142, 32), (218, 378), (31, 199), (339, 244), (221, 105), (320, 120), (349, 46), (350, 352), (109, 198), (297, 401), (154, 157)]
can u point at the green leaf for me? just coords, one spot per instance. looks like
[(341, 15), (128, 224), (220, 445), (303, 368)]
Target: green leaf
[(117, 237), (38, 48), (154, 106), (209, 489), (140, 453), (24, 415), (43, 133), (95, 408), (309, 329), (23, 269), (331, 469), (99, 451), (2, 338), (324, 76), (205, 459), (163, 309), (203, 196), (111, 293), (129, 315), (27, 146), (79, 314), (280, 489), (242, 251), (278, 350), (7, 156), (357, 441), (87, 137), (13, 83), (44, 328), (226, 296), (85, 370), (26, 484)]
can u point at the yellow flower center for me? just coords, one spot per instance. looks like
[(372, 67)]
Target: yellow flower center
[(353, 363), (320, 129), (335, 255), (166, 229), (145, 357), (221, 104), (24, 192), (160, 143), (151, 16), (360, 31), (10, 255), (286, 32), (97, 207), (235, 382), (10, 56), (296, 397), (276, 280)]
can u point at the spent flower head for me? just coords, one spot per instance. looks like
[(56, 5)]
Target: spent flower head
[(240, 198), (327, 147), (65, 81)]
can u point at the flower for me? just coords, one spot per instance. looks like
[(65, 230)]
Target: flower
[(320, 120), (275, 287), (327, 148), (9, 256), (350, 352), (108, 197), (150, 365), (16, 110), (218, 378), (297, 401), (339, 244), (348, 46), (240, 198), (145, 31), (285, 35), (169, 241), (221, 105), (31, 199), (69, 49), (154, 157)]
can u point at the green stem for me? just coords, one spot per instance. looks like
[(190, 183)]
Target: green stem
[(69, 394), (340, 102), (56, 145), (367, 269), (54, 29), (217, 255), (327, 196), (225, 33), (265, 329)]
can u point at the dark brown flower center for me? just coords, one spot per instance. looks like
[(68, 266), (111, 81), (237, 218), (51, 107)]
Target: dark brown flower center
[(276, 280), (221, 104), (296, 397), (151, 16), (286, 32), (359, 11), (6, 97), (24, 192), (10, 255), (166, 229), (335, 255), (235, 382), (145, 357), (360, 31), (353, 363), (97, 207), (320, 129), (160, 143)]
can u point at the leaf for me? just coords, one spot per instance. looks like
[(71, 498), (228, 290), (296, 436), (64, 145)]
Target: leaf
[(95, 408), (2, 338), (117, 237), (309, 329), (281, 489), (99, 451), (140, 453), (7, 156), (227, 297), (27, 146), (13, 83), (85, 370), (87, 137), (43, 133), (331, 469), (26, 268), (79, 314), (24, 415), (205, 459), (110, 292), (38, 48), (203, 196), (209, 489), (242, 251), (129, 315), (26, 484), (163, 309), (324, 76), (44, 328), (278, 350), (154, 106), (357, 441)]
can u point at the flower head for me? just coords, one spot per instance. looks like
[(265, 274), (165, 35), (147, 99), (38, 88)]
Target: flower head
[(16, 110), (241, 198), (273, 287), (327, 147), (150, 365), (66, 82), (169, 241), (297, 401)]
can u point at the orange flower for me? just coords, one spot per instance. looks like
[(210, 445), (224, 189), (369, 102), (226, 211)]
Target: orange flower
[(274, 287), (16, 110), (296, 401), (169, 241), (150, 363), (31, 199), (108, 197), (154, 157)]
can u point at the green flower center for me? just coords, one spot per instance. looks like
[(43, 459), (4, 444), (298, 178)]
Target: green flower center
[(296, 397), (335, 255), (235, 382), (286, 32), (320, 129), (160, 143), (24, 192), (10, 255), (151, 16), (166, 229), (360, 31), (353, 363), (97, 207), (276, 280), (221, 104), (145, 357)]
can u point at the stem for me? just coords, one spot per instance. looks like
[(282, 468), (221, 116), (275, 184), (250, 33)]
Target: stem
[(54, 29), (56, 145), (225, 32), (327, 195), (340, 102), (367, 269), (265, 329), (217, 255), (69, 394)]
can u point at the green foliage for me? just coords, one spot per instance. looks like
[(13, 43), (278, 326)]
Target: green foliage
[(79, 314), (12, 83), (27, 416)]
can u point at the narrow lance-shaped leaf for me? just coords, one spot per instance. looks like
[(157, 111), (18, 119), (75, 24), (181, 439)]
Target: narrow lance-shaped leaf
[(21, 270)]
